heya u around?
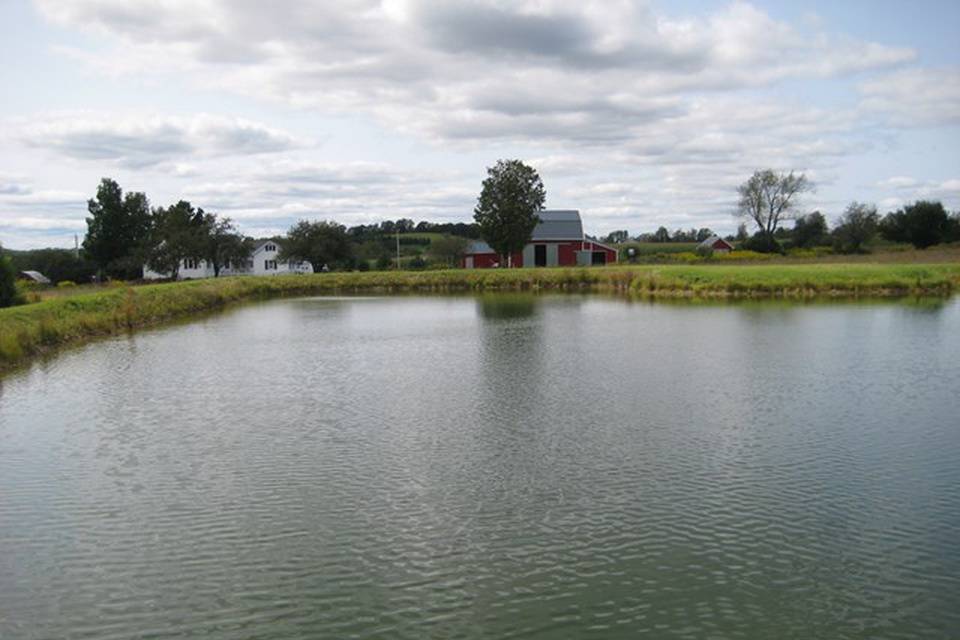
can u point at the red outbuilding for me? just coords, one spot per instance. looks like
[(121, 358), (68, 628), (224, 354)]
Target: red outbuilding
[(557, 241), (716, 244)]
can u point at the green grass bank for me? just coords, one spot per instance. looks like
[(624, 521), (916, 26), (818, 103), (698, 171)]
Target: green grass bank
[(64, 319)]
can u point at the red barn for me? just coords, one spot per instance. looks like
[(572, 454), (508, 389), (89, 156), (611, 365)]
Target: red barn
[(558, 241), (717, 244)]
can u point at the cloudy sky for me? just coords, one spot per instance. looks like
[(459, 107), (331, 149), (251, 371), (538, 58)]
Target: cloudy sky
[(639, 113)]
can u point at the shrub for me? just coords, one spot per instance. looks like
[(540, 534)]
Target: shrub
[(63, 284), (9, 294), (682, 256), (743, 255), (762, 243)]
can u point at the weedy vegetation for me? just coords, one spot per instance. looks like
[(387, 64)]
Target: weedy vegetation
[(63, 319)]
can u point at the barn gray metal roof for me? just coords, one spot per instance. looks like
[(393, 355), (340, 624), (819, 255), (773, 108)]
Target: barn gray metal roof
[(555, 224), (559, 224), (478, 246)]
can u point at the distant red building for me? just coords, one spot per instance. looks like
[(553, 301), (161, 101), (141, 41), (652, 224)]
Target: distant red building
[(717, 244), (558, 241)]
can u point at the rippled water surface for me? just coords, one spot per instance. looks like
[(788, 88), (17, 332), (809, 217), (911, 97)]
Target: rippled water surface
[(500, 467)]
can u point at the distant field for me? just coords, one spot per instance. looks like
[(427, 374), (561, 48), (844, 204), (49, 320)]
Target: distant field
[(890, 254), (884, 253)]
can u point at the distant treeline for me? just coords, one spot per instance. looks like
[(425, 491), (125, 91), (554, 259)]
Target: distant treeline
[(57, 264), (363, 232), (921, 224), (124, 234)]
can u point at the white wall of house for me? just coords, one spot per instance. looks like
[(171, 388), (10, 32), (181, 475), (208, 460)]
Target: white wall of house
[(189, 270), (263, 262)]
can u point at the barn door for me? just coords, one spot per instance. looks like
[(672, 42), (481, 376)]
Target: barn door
[(540, 255)]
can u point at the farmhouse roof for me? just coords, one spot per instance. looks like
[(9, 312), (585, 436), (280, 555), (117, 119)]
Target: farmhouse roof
[(260, 244)]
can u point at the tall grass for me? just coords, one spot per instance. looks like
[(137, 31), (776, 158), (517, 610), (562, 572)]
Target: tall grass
[(29, 329)]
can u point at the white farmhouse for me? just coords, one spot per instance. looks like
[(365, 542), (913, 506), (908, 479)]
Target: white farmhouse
[(262, 262)]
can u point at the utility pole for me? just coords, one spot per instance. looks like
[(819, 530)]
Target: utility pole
[(76, 247)]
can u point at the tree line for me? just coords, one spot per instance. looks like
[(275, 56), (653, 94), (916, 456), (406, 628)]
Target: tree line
[(768, 199), (662, 234), (125, 234)]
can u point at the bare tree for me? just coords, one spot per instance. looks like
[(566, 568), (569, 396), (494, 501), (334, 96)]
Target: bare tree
[(770, 197)]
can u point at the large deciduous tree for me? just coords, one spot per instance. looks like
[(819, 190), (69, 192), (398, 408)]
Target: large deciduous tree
[(8, 282), (922, 224), (448, 249), (618, 237), (810, 230), (320, 243), (223, 243), (118, 230), (768, 198), (506, 211), (178, 234), (856, 227), (704, 233)]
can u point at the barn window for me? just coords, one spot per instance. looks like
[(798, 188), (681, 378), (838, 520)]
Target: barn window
[(270, 247), (270, 265)]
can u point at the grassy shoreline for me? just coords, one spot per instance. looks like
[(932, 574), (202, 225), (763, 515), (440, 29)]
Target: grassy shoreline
[(29, 330)]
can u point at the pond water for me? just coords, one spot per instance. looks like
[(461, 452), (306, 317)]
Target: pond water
[(492, 467)]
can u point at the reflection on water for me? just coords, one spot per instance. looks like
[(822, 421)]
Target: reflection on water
[(506, 306), (504, 466)]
